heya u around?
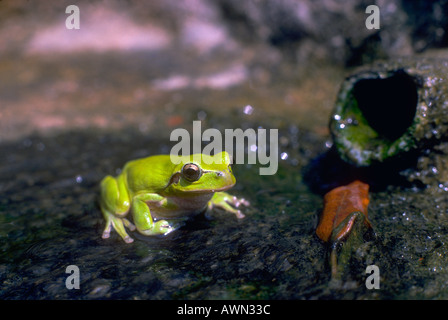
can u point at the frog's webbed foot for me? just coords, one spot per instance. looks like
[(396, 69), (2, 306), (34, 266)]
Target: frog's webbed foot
[(228, 203), (119, 225), (236, 202)]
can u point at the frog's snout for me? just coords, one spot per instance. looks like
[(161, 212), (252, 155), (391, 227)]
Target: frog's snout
[(226, 177)]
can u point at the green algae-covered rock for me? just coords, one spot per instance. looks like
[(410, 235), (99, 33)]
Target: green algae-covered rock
[(395, 109)]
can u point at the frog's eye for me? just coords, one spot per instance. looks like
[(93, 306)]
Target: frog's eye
[(191, 172)]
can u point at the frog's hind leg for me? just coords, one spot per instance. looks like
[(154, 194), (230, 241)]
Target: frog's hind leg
[(115, 206)]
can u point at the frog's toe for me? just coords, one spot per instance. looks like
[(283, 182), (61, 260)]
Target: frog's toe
[(161, 227), (239, 214), (237, 202), (119, 225), (240, 201), (106, 232), (106, 235), (129, 224), (128, 239)]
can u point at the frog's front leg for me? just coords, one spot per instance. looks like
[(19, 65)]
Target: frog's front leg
[(115, 205), (228, 203), (142, 216)]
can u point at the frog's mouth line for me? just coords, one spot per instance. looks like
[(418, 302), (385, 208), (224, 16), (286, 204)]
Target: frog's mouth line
[(202, 191)]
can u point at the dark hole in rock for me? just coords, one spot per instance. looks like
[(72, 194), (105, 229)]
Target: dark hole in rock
[(389, 104)]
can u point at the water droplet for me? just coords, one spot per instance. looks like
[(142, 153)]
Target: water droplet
[(202, 115), (27, 142), (248, 109), (283, 156), (40, 146), (78, 179)]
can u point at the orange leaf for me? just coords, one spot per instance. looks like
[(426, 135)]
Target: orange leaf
[(174, 121), (340, 203)]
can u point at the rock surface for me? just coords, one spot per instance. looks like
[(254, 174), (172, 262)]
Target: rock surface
[(77, 104)]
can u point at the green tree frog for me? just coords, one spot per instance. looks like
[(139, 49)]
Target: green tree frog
[(155, 190)]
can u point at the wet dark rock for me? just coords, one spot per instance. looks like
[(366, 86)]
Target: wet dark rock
[(72, 114), (325, 29), (273, 253)]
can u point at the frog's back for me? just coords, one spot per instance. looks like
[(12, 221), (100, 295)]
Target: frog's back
[(150, 174)]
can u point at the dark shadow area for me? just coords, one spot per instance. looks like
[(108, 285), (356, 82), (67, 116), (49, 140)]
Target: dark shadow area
[(395, 96), (329, 171)]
